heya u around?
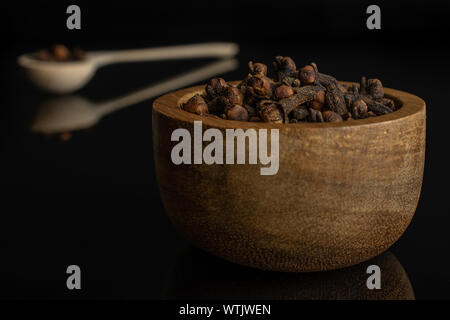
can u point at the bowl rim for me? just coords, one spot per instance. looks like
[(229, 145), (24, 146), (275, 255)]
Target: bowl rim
[(169, 106)]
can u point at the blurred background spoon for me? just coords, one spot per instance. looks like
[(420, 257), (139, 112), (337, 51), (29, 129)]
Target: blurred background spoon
[(69, 113), (68, 76)]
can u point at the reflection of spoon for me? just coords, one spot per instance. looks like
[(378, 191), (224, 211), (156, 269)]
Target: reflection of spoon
[(65, 77), (68, 113), (197, 275)]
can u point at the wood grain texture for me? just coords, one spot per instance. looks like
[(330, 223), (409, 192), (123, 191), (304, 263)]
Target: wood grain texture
[(344, 192)]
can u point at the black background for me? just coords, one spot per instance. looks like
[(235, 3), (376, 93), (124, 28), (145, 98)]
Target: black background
[(93, 200)]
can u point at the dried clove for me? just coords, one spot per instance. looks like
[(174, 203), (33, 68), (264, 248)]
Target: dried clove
[(259, 86), (331, 116), (293, 96), (269, 112), (283, 91), (359, 109), (307, 75), (300, 113), (387, 102), (215, 87), (315, 115), (369, 92), (320, 97), (60, 52), (377, 108), (319, 101), (375, 88), (316, 105), (257, 68), (286, 70), (334, 98), (238, 113), (233, 95), (196, 104), (301, 96)]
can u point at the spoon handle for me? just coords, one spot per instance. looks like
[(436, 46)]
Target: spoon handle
[(177, 82), (202, 50)]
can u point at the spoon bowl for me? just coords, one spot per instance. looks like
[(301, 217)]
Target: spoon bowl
[(58, 77), (63, 114)]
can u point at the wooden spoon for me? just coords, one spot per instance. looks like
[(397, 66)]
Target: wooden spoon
[(68, 113), (68, 76)]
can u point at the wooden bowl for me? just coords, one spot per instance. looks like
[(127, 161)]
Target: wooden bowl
[(344, 192)]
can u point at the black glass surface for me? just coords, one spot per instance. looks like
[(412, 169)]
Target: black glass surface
[(90, 197)]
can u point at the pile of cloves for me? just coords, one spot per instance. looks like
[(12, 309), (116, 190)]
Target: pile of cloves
[(292, 96), (60, 52)]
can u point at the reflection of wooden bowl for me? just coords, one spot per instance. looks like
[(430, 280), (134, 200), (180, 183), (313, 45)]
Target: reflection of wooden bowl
[(197, 275), (344, 192)]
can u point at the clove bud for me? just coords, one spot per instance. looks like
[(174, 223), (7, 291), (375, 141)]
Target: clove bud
[(215, 87), (307, 75), (359, 109), (375, 88), (260, 86), (270, 112), (331, 116), (238, 113), (257, 68), (283, 91), (196, 104)]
